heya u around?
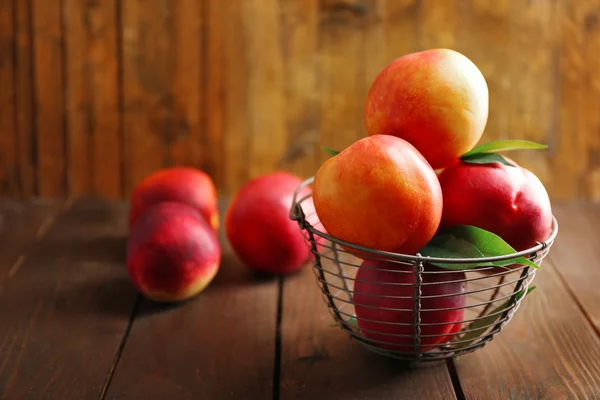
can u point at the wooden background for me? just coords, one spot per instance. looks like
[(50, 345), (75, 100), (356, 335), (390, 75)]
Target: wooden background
[(95, 94)]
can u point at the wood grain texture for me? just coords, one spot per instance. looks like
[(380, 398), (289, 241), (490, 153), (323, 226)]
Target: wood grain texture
[(74, 304), (532, 112), (215, 91), (219, 344), (94, 151), (147, 98), (80, 118), (493, 23), (575, 161), (105, 92), (49, 84), (299, 43), (431, 15), (341, 73), (186, 134), (547, 351), (24, 100), (22, 224), (8, 132), (375, 51), (400, 20), (235, 136), (319, 361), (576, 255), (266, 130)]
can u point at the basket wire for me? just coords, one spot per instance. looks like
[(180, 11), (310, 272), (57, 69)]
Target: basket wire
[(492, 295)]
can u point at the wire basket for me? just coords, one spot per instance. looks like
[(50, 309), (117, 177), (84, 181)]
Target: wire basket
[(411, 310)]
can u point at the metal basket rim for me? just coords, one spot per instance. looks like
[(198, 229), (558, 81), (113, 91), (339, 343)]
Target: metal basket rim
[(297, 214)]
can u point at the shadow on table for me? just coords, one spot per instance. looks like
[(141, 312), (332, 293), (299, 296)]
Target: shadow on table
[(94, 272), (349, 371), (80, 274), (232, 277), (101, 249)]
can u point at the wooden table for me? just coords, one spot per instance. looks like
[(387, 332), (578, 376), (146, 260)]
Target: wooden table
[(72, 326)]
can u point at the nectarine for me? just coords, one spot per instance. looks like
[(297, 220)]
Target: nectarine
[(379, 193), (384, 295), (258, 226), (184, 184), (508, 201), (172, 252), (435, 99)]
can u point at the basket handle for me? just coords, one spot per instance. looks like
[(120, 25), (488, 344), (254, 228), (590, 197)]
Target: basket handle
[(296, 213)]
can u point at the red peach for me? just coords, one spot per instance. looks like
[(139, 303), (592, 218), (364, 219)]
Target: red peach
[(184, 184), (453, 331), (384, 295), (172, 252), (435, 99), (259, 228), (379, 193), (508, 201)]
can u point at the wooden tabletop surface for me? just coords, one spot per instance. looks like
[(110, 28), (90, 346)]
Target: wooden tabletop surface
[(72, 326)]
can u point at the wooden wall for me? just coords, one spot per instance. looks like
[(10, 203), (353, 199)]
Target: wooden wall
[(95, 94)]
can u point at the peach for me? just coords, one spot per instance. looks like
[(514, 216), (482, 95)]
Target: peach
[(184, 184), (453, 332), (259, 228), (508, 201), (379, 193), (384, 295), (172, 252), (435, 99)]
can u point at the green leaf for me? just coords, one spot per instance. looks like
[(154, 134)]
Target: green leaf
[(486, 158), (350, 321), (449, 246), (332, 152), (478, 327), (489, 244), (522, 294), (465, 241), (504, 145)]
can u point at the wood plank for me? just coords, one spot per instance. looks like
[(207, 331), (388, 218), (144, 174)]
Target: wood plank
[(574, 148), (341, 74), (22, 223), (432, 15), (547, 351), (92, 98), (533, 82), (147, 97), (49, 98), (589, 18), (492, 22), (236, 139), (319, 361), (24, 100), (79, 100), (219, 344), (576, 254), (74, 305), (214, 82), (266, 129), (376, 45), (185, 139), (299, 38), (401, 27), (8, 132)]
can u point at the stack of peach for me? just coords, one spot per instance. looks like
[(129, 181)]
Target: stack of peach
[(419, 184), (173, 250)]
